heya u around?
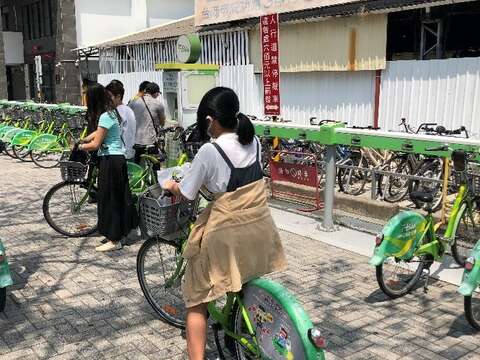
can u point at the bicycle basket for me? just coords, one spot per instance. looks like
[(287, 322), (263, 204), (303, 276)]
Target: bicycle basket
[(73, 171), (161, 215)]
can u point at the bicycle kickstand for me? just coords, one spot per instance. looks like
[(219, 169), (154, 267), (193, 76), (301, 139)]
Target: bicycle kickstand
[(425, 287)]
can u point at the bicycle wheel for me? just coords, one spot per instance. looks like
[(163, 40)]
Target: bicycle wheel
[(160, 270), (21, 153), (397, 277), (3, 298), (45, 159), (396, 187), (353, 181), (9, 151), (67, 209), (471, 305), (433, 170), (465, 237), (280, 324)]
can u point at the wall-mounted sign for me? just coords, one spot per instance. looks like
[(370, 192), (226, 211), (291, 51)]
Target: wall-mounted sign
[(217, 11), (189, 49), (270, 61)]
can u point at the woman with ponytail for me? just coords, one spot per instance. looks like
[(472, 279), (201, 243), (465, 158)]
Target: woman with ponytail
[(235, 239)]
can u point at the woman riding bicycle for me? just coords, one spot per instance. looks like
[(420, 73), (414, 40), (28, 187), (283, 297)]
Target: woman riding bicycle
[(235, 239)]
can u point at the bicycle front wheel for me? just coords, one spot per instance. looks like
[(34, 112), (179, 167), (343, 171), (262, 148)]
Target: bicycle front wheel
[(472, 309), (21, 153), (160, 271), (45, 159), (70, 210), (398, 277), (465, 237)]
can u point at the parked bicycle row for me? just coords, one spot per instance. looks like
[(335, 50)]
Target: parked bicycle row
[(39, 134), (389, 176)]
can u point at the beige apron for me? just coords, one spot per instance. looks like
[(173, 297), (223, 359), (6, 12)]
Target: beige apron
[(233, 241)]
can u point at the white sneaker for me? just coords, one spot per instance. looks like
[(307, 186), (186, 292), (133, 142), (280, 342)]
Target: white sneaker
[(109, 246)]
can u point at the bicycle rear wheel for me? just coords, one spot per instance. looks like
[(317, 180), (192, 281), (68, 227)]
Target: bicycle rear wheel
[(281, 326), (397, 277), (160, 271), (396, 187), (353, 181), (68, 209)]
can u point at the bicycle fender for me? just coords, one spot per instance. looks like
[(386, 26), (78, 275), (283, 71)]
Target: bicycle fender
[(401, 235), (471, 278)]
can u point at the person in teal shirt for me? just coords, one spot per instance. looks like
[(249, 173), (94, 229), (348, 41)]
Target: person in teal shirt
[(115, 207), (112, 143)]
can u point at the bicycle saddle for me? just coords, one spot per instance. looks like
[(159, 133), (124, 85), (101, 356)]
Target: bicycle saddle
[(421, 196)]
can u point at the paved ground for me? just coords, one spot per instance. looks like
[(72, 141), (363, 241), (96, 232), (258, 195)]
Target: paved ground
[(70, 302)]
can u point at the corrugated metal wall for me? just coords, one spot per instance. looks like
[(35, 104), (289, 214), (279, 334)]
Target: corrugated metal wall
[(446, 92), (344, 96), (336, 44), (131, 81)]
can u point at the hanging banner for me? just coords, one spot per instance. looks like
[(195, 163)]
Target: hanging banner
[(270, 60), (217, 11)]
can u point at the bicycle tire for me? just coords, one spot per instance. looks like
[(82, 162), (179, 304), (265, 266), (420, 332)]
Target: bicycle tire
[(21, 153), (344, 176), (424, 169), (3, 298), (461, 252), (36, 158), (403, 167), (468, 304), (9, 151), (83, 228), (271, 318), (166, 311), (409, 285)]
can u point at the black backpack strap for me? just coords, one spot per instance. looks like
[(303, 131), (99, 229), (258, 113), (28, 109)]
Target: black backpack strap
[(225, 157)]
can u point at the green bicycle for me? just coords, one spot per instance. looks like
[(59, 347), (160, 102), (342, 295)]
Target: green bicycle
[(263, 321), (409, 243), (70, 207)]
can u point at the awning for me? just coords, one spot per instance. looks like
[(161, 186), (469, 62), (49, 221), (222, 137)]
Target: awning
[(171, 29)]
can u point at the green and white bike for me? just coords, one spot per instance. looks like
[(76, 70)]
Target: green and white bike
[(409, 242), (262, 321)]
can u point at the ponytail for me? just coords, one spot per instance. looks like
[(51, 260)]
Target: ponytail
[(245, 129)]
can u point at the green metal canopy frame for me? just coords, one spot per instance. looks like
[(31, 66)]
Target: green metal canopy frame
[(333, 134)]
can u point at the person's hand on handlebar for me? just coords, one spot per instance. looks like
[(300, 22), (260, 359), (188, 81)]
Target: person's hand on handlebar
[(172, 187)]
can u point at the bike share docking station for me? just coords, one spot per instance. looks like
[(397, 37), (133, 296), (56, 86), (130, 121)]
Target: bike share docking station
[(332, 134)]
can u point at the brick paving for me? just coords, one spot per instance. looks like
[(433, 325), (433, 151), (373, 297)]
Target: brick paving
[(69, 302)]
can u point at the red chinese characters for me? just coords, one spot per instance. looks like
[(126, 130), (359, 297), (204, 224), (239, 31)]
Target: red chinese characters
[(270, 62)]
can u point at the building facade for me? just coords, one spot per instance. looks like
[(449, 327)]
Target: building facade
[(53, 29)]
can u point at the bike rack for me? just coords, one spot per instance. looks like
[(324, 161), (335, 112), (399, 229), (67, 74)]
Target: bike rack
[(333, 134)]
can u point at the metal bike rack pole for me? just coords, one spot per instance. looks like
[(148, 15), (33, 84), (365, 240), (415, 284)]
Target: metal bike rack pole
[(329, 190)]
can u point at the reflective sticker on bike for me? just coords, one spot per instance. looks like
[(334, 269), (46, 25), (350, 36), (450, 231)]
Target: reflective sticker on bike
[(170, 310), (282, 344)]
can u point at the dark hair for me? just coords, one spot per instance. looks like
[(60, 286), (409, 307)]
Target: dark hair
[(222, 104), (116, 88), (98, 102), (152, 88), (143, 86)]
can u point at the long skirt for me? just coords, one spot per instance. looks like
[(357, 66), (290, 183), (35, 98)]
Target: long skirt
[(117, 214)]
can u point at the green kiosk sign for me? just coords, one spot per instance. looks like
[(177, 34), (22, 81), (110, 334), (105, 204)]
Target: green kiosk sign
[(189, 49)]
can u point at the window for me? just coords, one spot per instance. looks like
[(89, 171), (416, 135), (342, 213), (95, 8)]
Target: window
[(37, 20)]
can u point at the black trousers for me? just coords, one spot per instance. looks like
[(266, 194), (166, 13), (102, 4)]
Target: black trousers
[(117, 213)]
